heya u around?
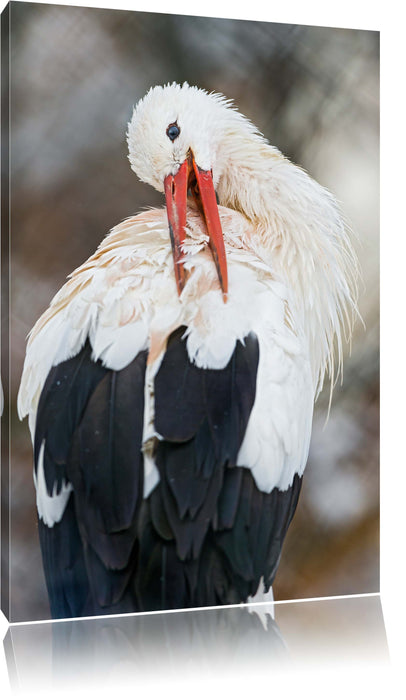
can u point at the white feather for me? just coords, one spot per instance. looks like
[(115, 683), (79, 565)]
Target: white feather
[(117, 349), (50, 508), (291, 271)]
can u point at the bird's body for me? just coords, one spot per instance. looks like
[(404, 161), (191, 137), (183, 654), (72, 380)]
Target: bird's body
[(171, 422)]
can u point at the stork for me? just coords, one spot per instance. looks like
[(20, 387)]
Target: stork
[(170, 384)]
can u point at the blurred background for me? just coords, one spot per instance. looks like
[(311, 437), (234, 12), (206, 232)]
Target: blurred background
[(314, 92)]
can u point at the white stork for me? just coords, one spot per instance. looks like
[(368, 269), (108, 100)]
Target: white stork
[(170, 384)]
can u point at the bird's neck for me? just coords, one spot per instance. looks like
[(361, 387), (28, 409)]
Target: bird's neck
[(299, 231)]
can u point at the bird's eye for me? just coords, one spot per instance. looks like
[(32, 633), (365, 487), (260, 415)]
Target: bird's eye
[(173, 131)]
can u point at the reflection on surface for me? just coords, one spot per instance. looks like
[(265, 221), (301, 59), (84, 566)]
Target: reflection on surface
[(205, 642)]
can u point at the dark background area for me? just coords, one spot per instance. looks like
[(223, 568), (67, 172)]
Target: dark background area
[(314, 93)]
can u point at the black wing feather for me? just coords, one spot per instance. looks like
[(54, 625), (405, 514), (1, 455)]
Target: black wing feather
[(61, 405), (82, 417), (253, 544), (177, 413), (214, 406), (108, 459), (228, 501), (64, 565), (205, 535), (106, 464)]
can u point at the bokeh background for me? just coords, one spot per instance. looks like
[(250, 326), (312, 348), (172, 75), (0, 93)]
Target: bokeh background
[(314, 93)]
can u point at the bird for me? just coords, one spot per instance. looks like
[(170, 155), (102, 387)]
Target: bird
[(170, 384)]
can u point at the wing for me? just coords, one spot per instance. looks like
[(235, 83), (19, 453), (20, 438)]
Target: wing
[(89, 478), (201, 518), (207, 534)]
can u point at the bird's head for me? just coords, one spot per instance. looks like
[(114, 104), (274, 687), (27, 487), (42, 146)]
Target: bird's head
[(184, 140), (174, 140)]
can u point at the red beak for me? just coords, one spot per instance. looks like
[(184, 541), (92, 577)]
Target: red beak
[(200, 183)]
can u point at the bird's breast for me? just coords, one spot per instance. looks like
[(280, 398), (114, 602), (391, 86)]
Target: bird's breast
[(124, 300)]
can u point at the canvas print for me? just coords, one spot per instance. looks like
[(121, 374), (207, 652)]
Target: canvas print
[(192, 281)]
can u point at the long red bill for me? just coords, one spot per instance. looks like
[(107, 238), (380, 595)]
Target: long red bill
[(176, 198), (202, 188), (205, 198)]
